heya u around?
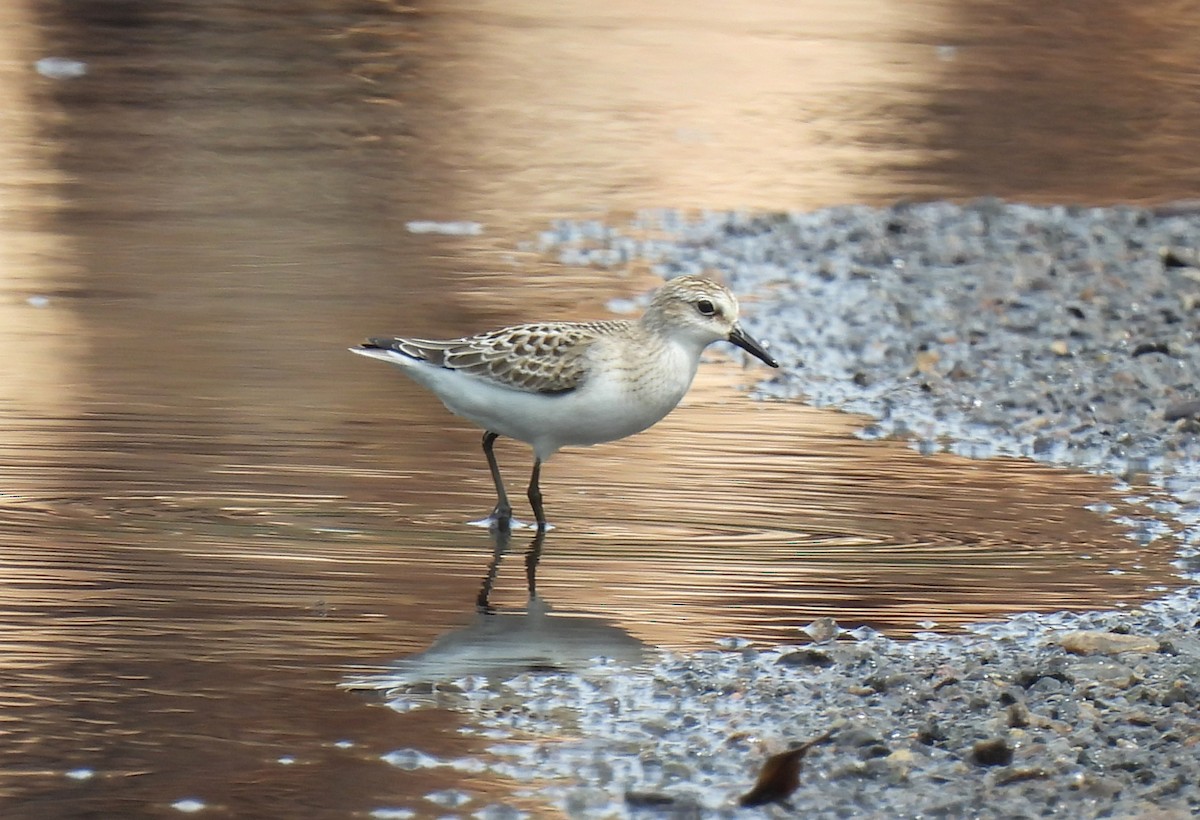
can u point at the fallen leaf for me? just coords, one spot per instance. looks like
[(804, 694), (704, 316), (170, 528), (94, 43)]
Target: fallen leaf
[(780, 775)]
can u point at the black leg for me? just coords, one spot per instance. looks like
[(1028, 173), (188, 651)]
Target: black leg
[(535, 494), (502, 514)]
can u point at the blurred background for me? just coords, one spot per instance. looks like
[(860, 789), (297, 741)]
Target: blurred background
[(212, 514)]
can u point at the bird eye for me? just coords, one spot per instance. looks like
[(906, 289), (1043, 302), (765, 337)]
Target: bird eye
[(706, 307)]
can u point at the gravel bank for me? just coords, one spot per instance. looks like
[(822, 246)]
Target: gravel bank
[(1003, 723), (1066, 335)]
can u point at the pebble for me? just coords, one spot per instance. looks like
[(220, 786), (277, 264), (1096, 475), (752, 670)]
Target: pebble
[(1106, 643)]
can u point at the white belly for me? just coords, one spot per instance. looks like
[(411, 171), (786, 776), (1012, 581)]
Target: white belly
[(608, 406)]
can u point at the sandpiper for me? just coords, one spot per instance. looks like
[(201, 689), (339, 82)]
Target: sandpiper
[(556, 384)]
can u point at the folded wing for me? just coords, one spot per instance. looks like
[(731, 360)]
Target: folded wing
[(540, 358)]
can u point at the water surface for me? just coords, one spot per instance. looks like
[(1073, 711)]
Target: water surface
[(212, 514)]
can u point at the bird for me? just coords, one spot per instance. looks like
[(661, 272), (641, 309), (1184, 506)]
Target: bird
[(560, 384)]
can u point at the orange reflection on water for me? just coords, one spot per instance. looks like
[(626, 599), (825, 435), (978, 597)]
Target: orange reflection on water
[(213, 513), (628, 106), (34, 260)]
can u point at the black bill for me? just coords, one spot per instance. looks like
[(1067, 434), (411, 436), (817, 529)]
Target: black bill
[(746, 342)]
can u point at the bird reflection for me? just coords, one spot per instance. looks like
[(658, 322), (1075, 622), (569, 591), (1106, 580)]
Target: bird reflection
[(504, 644), (501, 540)]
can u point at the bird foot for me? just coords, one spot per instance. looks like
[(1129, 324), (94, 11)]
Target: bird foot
[(493, 523)]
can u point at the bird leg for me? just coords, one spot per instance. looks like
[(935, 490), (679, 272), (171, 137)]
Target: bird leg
[(535, 495), (502, 514)]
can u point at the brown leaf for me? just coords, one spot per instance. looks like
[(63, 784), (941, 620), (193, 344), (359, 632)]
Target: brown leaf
[(780, 775)]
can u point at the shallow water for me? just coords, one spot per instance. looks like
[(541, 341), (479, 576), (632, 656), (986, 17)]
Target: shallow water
[(212, 514)]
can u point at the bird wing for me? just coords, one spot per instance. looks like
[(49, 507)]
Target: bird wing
[(540, 358)]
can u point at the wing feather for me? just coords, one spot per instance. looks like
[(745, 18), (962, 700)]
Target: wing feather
[(541, 358)]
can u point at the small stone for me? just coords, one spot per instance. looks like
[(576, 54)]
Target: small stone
[(858, 737), (995, 752), (805, 657), (927, 361), (900, 760), (822, 630), (1018, 715), (932, 733), (1179, 257), (1180, 645), (1181, 692), (1146, 348), (1104, 670), (1182, 410), (1060, 348), (863, 633), (949, 680), (1140, 719), (732, 643), (1021, 775), (1105, 643), (648, 800)]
